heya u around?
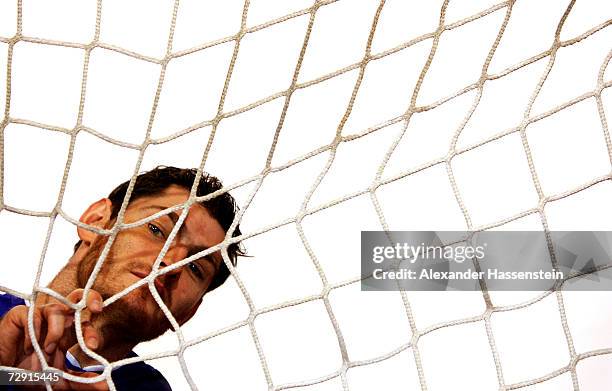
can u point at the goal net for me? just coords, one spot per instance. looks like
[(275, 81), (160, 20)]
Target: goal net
[(323, 119)]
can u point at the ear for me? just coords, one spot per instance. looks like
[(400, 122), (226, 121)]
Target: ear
[(191, 312), (98, 214)]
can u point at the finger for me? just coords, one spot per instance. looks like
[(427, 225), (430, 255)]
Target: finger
[(31, 362), (57, 359), (69, 336), (74, 297), (55, 317), (68, 321), (15, 338), (93, 302), (28, 347), (58, 362), (91, 336), (18, 333)]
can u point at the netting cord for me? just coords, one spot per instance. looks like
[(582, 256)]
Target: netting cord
[(304, 210)]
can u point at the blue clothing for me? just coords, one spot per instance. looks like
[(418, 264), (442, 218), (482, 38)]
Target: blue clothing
[(9, 301), (136, 376)]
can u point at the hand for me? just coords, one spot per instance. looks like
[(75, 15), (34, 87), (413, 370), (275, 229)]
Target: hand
[(52, 326), (57, 361)]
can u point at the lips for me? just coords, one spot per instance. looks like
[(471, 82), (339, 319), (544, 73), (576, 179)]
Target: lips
[(141, 273)]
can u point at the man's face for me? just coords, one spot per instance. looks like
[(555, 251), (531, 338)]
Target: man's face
[(131, 258)]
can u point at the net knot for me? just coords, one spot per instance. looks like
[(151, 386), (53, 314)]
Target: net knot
[(14, 39), (573, 361), (315, 7), (239, 35), (542, 203), (215, 121), (325, 291), (300, 216), (164, 61), (450, 155), (337, 140), (267, 169), (252, 316)]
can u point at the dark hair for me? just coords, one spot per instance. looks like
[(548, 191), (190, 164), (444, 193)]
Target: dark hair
[(222, 208)]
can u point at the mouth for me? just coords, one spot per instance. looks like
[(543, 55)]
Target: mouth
[(140, 273)]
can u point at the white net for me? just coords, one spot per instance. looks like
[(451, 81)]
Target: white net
[(394, 141)]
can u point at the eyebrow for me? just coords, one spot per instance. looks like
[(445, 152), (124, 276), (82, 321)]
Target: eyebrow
[(172, 215)]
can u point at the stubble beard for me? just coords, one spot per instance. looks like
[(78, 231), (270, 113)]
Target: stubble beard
[(126, 320)]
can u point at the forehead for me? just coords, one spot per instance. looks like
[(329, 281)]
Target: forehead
[(198, 229)]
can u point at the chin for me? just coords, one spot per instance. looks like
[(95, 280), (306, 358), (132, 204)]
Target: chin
[(135, 318)]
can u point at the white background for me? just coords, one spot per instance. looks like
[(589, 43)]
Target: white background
[(299, 342)]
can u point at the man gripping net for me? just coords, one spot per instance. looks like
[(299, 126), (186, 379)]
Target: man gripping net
[(113, 331)]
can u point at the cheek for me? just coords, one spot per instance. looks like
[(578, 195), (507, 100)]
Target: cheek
[(136, 245), (185, 295)]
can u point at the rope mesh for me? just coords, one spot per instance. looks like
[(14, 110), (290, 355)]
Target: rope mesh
[(305, 210)]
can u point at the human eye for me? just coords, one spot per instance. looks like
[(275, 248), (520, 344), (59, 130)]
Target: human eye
[(195, 269), (155, 230)]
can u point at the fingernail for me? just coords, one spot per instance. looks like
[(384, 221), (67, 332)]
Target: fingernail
[(96, 305), (50, 348), (92, 343)]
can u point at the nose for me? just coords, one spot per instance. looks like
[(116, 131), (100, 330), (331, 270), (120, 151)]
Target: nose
[(172, 273), (174, 254)]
